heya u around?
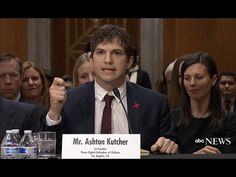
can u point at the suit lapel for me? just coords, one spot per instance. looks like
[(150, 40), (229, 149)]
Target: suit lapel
[(134, 106)]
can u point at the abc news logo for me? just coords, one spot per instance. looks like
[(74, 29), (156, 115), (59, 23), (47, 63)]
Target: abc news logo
[(213, 141)]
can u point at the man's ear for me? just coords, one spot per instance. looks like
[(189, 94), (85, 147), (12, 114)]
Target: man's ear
[(214, 80), (130, 62)]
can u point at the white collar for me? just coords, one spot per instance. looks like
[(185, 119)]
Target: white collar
[(134, 69), (101, 92)]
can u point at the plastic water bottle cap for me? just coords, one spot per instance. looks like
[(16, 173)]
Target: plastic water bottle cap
[(15, 130), (27, 131), (8, 131)]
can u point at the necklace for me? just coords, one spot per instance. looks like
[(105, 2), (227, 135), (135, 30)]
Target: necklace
[(202, 116)]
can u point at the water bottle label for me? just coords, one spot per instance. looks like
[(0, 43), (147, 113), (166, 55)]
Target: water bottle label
[(9, 151), (28, 152)]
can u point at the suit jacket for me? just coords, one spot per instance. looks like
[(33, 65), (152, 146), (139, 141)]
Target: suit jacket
[(143, 79), (148, 113), (200, 129), (235, 105), (42, 109), (18, 115)]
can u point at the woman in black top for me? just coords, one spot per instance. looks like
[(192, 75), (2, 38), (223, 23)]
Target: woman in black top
[(202, 127)]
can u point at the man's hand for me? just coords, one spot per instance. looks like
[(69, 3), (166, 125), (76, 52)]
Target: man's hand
[(208, 150), (57, 93), (165, 146)]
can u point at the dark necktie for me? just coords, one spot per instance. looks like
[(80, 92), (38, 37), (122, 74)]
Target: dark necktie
[(227, 104), (106, 117)]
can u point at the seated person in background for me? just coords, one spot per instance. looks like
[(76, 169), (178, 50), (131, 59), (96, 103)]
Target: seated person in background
[(202, 126), (163, 83), (68, 80), (83, 70), (160, 86), (80, 110), (34, 84), (136, 74), (174, 87), (10, 77), (228, 90), (11, 81), (167, 75), (17, 115)]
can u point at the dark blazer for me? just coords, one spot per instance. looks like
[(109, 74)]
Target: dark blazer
[(201, 129), (143, 79), (42, 109), (148, 113), (19, 115), (235, 105)]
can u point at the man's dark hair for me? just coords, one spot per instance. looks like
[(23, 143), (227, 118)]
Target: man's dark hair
[(108, 33), (136, 57), (228, 73), (8, 56)]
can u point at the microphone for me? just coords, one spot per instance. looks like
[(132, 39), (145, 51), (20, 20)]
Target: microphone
[(117, 94)]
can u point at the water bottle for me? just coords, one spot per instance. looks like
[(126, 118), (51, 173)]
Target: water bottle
[(16, 134), (9, 146), (27, 146)]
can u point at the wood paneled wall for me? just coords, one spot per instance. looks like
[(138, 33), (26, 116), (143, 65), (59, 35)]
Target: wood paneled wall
[(215, 36), (14, 37), (70, 36)]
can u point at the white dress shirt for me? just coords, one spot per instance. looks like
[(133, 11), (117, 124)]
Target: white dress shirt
[(119, 122)]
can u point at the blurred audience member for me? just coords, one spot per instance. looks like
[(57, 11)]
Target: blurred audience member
[(174, 88), (10, 76), (83, 70), (168, 73), (163, 84), (136, 74), (160, 86), (34, 84), (14, 114), (228, 90), (68, 80)]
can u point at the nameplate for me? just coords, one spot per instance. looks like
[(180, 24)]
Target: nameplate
[(100, 146)]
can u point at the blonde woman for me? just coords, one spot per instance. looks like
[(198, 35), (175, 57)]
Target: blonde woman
[(83, 70), (34, 85)]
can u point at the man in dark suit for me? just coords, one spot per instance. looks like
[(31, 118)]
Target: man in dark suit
[(11, 81), (136, 74), (17, 115), (82, 110), (227, 84)]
